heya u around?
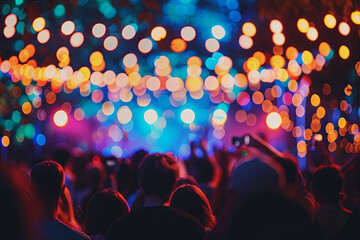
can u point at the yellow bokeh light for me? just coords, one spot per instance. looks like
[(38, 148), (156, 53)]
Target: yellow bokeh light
[(277, 61), (312, 34), (307, 57), (188, 33), (342, 122), (344, 52), (355, 17), (194, 83), (315, 100), (96, 58), (330, 21), (303, 25), (68, 27), (249, 29), (98, 30), (276, 26), (39, 24), (158, 33), (344, 28)]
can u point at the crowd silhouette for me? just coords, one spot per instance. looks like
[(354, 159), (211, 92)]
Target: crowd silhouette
[(255, 192)]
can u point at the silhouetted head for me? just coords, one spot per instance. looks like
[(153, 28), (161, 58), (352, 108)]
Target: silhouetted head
[(48, 180), (327, 183), (157, 174), (190, 199), (103, 209)]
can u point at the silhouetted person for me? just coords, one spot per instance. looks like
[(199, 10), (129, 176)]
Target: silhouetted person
[(157, 176), (104, 208), (190, 199), (48, 186), (332, 219)]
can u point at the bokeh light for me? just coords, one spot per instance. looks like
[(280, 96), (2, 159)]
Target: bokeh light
[(128, 32), (273, 120), (188, 116), (158, 33), (39, 24), (218, 32), (330, 21), (150, 116), (188, 33), (312, 34), (249, 29), (344, 52), (60, 118), (276, 26), (98, 30), (344, 28), (145, 45), (77, 39), (110, 43), (124, 115), (68, 27), (303, 25)]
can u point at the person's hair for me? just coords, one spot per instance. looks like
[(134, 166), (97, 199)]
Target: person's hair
[(190, 199), (48, 179), (157, 174), (103, 209), (327, 183)]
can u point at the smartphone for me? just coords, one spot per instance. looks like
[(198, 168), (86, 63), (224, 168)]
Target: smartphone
[(239, 141)]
